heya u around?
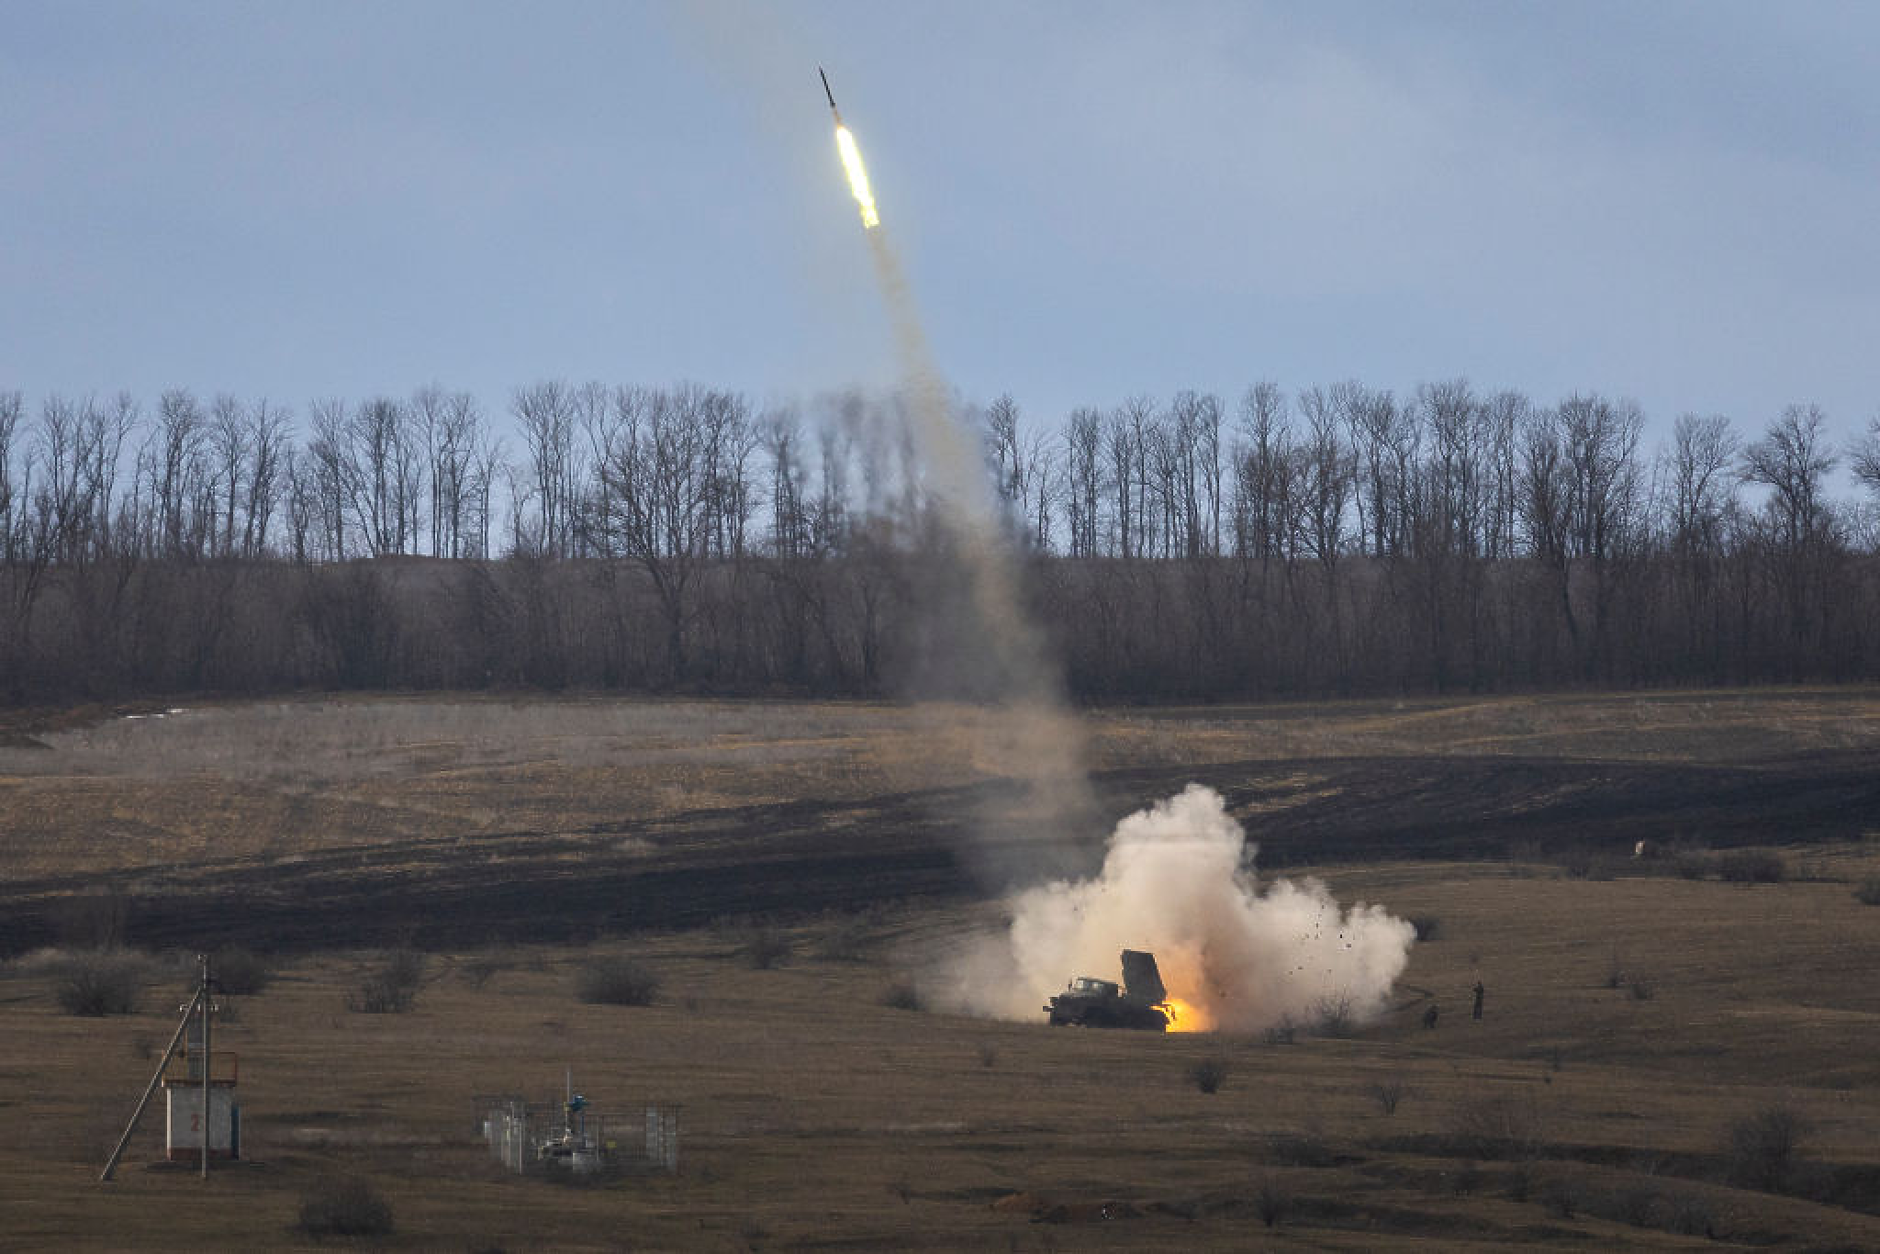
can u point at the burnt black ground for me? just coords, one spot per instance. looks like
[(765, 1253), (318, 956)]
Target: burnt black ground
[(811, 856)]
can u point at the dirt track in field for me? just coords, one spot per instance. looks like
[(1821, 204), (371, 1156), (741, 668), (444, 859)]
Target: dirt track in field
[(690, 868)]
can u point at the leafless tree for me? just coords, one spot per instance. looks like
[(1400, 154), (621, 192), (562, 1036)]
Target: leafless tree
[(1125, 439), (228, 437), (324, 488), (1193, 488), (1863, 454), (1454, 491), (1502, 417), (1793, 460), (269, 439), (12, 409), (1006, 453), (446, 456), (662, 496), (1265, 479), (545, 412), (1387, 439), (381, 458), (1328, 470), (1083, 455), (1546, 508), (1702, 451), (78, 451), (592, 405), (178, 474), (781, 437), (1601, 440)]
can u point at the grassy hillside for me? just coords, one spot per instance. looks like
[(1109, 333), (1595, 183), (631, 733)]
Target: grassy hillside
[(1644, 1031)]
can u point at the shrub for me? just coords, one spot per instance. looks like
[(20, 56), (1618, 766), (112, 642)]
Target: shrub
[(1388, 1093), (1761, 1148), (1752, 866), (1208, 1073), (1868, 894), (615, 981), (1642, 989), (241, 971), (99, 984), (1333, 1015), (392, 987), (345, 1208)]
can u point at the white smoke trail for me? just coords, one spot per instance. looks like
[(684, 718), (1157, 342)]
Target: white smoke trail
[(1042, 745), (1178, 880)]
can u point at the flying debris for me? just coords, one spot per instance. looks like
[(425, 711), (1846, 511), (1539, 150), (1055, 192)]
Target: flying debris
[(852, 161)]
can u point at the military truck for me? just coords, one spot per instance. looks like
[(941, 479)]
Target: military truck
[(1093, 1003)]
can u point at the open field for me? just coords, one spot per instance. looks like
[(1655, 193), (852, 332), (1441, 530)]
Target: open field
[(1633, 1015), (455, 821)]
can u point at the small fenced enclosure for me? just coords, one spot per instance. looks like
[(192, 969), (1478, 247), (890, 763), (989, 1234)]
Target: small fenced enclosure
[(571, 1136)]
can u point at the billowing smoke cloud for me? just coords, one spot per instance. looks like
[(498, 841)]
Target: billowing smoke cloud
[(1178, 879)]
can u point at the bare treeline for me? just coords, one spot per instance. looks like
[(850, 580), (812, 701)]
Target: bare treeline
[(1337, 540)]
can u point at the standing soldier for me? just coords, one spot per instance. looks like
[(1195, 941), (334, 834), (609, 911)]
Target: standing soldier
[(1478, 999)]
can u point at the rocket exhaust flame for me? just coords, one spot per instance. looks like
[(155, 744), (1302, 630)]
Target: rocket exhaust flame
[(1183, 1017), (858, 176)]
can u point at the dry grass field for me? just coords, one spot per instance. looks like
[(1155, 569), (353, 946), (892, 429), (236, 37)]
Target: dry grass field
[(1644, 1017)]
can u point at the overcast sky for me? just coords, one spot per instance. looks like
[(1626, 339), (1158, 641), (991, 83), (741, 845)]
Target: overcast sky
[(1675, 202)]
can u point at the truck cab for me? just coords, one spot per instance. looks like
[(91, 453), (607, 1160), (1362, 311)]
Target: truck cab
[(1138, 1003)]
